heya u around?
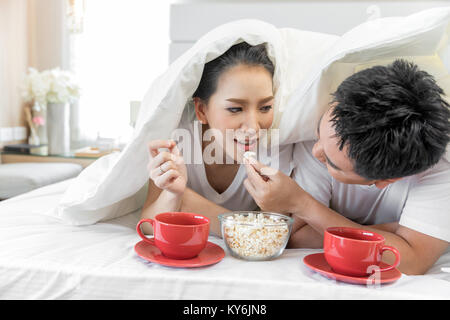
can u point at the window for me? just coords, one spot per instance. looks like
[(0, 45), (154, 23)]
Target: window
[(116, 53)]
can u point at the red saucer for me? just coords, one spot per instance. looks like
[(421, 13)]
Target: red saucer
[(317, 263), (210, 255)]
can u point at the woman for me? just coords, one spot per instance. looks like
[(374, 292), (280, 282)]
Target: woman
[(234, 107)]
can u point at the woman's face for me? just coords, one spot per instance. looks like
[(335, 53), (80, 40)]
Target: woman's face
[(240, 108)]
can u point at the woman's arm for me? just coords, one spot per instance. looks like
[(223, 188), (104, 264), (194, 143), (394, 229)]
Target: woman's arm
[(193, 202), (167, 188), (162, 201), (167, 184), (158, 201)]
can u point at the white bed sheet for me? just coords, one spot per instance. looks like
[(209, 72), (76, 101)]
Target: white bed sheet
[(41, 258)]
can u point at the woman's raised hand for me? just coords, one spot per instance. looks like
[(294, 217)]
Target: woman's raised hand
[(167, 169)]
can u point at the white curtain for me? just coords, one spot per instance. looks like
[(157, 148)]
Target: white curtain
[(120, 49)]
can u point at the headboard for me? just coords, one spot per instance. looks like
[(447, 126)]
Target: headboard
[(189, 20)]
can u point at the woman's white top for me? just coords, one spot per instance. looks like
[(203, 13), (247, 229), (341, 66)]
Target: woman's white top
[(235, 197)]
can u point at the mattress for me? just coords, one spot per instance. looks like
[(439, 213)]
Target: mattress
[(42, 258)]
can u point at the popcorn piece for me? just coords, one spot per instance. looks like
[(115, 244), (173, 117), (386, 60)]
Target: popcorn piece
[(250, 155)]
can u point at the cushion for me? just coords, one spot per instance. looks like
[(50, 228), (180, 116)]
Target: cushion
[(18, 178)]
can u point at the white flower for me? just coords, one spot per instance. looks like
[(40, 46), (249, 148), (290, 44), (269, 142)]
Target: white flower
[(54, 86)]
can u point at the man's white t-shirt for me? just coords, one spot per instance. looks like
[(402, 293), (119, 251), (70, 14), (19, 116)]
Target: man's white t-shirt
[(420, 202), (235, 197)]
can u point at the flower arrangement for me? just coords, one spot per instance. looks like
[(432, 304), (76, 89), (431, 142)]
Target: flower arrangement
[(53, 86), (50, 86)]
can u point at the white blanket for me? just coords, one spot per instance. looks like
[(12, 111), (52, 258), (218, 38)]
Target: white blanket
[(308, 67), (44, 259)]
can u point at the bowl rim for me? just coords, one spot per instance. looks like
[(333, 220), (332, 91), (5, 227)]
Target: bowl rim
[(289, 220)]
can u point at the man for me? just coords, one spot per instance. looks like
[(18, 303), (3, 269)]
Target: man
[(377, 164)]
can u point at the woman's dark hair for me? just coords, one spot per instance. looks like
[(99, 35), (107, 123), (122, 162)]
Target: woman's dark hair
[(393, 119), (239, 54)]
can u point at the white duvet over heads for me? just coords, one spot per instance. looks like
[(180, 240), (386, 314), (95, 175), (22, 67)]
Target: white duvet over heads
[(308, 68)]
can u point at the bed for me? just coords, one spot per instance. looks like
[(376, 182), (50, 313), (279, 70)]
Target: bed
[(42, 258)]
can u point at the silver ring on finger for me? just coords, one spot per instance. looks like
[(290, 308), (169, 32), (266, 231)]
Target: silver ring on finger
[(161, 169)]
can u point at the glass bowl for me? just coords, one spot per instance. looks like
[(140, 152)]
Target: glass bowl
[(255, 235)]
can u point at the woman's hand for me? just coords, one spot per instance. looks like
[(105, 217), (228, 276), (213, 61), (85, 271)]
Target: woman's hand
[(271, 189), (167, 169)]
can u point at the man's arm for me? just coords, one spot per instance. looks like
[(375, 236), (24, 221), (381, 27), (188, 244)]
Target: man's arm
[(418, 251), (282, 194), (304, 236)]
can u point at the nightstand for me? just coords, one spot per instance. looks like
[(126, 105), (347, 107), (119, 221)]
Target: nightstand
[(13, 157)]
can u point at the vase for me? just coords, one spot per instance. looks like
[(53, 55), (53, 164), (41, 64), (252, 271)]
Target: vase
[(58, 128)]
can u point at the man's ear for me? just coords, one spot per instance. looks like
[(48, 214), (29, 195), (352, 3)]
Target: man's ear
[(380, 184), (200, 108)]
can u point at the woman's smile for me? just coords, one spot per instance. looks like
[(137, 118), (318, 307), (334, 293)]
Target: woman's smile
[(247, 145)]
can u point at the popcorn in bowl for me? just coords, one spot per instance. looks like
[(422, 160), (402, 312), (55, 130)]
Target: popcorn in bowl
[(254, 235)]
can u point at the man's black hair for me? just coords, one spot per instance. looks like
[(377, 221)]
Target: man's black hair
[(393, 119)]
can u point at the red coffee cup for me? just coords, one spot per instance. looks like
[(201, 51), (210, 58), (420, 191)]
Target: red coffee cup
[(356, 252), (179, 235)]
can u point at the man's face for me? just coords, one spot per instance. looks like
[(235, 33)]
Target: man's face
[(326, 150)]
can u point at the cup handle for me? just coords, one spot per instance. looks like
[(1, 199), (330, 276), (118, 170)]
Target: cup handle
[(397, 258), (139, 231)]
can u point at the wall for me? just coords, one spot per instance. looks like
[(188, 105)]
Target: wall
[(31, 35), (46, 34), (13, 60)]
